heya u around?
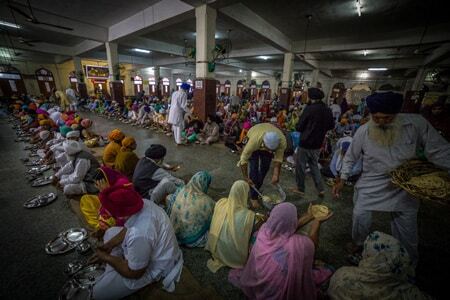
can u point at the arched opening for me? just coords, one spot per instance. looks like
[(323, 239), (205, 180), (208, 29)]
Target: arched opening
[(11, 81), (239, 88), (46, 82), (138, 84), (227, 88), (166, 87)]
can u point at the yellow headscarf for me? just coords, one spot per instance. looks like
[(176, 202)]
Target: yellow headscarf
[(127, 143), (230, 230)]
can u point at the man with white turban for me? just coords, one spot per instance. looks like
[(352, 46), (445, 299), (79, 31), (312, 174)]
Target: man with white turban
[(384, 143), (77, 175), (265, 142)]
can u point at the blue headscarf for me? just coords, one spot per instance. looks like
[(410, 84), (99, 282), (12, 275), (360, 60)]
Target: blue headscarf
[(385, 102), (185, 86)]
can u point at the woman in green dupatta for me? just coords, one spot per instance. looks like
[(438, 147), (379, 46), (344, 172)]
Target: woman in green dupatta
[(190, 210)]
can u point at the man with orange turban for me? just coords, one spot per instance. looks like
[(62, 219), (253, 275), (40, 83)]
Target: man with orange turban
[(112, 149)]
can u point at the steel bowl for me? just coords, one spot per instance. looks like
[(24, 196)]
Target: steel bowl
[(75, 235)]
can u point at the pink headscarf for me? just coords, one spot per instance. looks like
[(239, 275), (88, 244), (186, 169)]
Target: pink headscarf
[(280, 265)]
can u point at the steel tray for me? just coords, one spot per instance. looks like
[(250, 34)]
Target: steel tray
[(40, 200)]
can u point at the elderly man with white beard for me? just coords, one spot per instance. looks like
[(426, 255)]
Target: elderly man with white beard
[(384, 143)]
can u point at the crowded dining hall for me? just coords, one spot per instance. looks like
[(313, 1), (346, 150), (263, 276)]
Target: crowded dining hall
[(179, 149)]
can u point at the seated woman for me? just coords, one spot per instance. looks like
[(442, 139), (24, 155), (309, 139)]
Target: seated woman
[(280, 265), (231, 228), (232, 132), (112, 149), (127, 159), (143, 251), (190, 210), (95, 216), (385, 272), (210, 132)]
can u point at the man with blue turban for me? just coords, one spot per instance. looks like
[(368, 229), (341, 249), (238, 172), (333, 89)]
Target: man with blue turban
[(178, 107), (384, 143)]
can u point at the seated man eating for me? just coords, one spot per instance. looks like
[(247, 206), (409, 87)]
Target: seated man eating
[(143, 251), (77, 176)]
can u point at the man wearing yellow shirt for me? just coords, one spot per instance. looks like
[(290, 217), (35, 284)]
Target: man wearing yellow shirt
[(265, 142)]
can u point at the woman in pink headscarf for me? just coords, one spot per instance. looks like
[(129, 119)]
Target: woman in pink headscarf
[(280, 265)]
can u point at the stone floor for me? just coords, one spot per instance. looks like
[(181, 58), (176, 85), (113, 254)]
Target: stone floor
[(29, 273)]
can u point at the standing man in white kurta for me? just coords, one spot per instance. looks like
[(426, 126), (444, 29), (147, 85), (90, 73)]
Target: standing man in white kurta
[(178, 107), (384, 143)]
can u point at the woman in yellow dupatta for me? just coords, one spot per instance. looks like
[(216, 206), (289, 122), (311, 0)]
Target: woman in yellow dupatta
[(231, 229), (127, 159)]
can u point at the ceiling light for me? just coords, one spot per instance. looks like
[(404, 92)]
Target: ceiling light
[(264, 57), (377, 69), (4, 23), (240, 70), (358, 7), (364, 75), (365, 52), (141, 50)]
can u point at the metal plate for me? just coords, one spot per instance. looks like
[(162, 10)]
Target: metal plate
[(88, 275), (71, 291), (42, 181), (40, 200), (38, 170), (73, 267), (59, 246), (33, 163), (75, 235)]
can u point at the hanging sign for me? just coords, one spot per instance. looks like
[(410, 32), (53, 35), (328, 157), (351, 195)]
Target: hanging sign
[(97, 72)]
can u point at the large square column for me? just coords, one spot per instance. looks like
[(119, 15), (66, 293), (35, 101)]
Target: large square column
[(115, 85), (81, 85), (205, 83), (286, 80)]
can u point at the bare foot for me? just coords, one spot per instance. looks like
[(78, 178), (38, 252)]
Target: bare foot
[(297, 191), (255, 204)]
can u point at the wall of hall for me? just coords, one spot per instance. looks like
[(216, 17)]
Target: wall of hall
[(259, 80), (60, 74)]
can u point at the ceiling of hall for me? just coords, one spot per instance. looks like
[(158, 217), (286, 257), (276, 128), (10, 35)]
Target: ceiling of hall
[(376, 54), (43, 35), (175, 34), (97, 12), (337, 18)]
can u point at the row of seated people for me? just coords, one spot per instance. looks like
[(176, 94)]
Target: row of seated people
[(145, 215)]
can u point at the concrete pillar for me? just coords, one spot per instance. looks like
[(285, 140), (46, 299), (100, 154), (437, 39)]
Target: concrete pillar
[(248, 77), (113, 60), (205, 39), (288, 67), (158, 81), (420, 78), (286, 79), (79, 72), (204, 84), (314, 77), (115, 85)]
